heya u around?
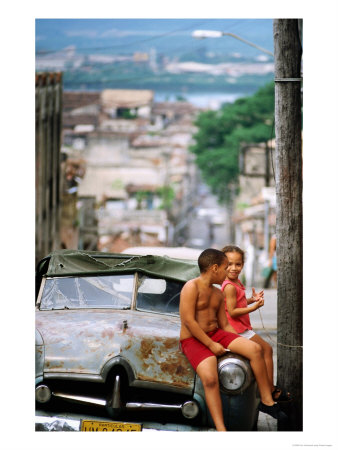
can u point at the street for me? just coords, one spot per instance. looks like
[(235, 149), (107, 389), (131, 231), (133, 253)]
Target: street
[(208, 224), (264, 322)]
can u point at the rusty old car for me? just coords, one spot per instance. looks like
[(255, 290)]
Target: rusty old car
[(107, 335)]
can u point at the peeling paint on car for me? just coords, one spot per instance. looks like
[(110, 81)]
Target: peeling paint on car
[(97, 336)]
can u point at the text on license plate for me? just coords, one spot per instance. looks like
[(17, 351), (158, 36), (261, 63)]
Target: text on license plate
[(97, 425)]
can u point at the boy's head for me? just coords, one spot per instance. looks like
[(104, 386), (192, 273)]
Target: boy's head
[(209, 258)]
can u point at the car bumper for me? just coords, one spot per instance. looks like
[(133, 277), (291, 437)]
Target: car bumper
[(72, 422)]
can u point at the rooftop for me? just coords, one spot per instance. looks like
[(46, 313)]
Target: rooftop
[(125, 98)]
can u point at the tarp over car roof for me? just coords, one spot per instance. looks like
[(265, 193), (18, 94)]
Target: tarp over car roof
[(79, 262)]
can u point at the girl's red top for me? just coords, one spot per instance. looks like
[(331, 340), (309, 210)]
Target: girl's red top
[(240, 323)]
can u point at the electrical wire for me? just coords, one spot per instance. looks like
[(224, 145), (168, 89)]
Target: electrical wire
[(272, 340), (129, 44), (233, 25)]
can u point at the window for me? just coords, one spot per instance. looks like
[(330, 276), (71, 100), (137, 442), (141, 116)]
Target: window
[(158, 295), (88, 292)]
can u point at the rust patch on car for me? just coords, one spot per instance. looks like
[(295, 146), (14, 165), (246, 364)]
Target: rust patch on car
[(182, 371), (168, 368), (174, 370), (173, 383), (170, 343), (146, 348), (58, 365), (128, 346), (107, 333), (145, 378)]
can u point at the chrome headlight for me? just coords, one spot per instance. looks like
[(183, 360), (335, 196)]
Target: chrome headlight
[(42, 393), (234, 375), (190, 409)]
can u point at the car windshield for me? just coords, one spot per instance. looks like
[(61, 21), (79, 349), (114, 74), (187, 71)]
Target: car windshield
[(158, 295), (88, 292)]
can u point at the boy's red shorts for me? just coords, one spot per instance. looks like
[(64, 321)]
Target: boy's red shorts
[(197, 352)]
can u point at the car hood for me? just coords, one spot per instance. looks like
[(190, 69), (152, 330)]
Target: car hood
[(84, 341)]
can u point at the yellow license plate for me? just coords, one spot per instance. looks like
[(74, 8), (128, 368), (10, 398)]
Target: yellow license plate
[(98, 425)]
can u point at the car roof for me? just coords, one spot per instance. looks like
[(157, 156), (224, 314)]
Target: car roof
[(82, 263)]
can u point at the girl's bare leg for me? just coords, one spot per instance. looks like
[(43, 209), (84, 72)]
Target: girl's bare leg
[(253, 352), (207, 371), (267, 355)]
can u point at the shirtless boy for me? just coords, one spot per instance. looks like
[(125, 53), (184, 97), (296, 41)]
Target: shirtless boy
[(206, 333)]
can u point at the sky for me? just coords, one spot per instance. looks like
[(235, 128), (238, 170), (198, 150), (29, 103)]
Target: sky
[(125, 35)]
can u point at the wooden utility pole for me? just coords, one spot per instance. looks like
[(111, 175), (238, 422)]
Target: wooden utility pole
[(289, 223)]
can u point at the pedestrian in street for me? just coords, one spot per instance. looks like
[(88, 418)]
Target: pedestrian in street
[(206, 333), (273, 259), (238, 308)]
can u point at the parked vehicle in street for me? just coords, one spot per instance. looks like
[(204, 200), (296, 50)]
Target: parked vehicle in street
[(107, 336), (173, 252)]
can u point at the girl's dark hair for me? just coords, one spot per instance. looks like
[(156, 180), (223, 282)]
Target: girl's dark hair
[(209, 257), (233, 248)]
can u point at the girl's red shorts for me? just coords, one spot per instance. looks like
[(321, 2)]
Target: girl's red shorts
[(196, 352)]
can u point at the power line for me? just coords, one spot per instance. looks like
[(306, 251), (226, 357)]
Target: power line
[(44, 52), (233, 25)]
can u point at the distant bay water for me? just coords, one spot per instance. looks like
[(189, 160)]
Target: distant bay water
[(212, 100)]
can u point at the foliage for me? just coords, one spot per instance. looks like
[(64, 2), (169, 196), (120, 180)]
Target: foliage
[(140, 196), (127, 114), (117, 184), (221, 134), (167, 195)]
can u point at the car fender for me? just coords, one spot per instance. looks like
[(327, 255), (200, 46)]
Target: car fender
[(39, 357), (114, 363)]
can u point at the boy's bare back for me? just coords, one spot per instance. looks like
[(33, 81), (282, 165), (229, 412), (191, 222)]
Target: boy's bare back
[(201, 301)]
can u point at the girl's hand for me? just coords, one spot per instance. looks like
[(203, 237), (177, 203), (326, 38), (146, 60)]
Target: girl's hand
[(259, 303), (255, 296)]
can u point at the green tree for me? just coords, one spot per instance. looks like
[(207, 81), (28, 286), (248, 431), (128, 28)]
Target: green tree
[(221, 134), (167, 195)]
